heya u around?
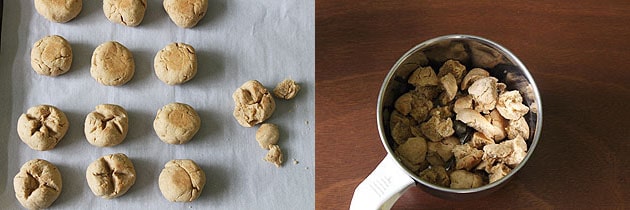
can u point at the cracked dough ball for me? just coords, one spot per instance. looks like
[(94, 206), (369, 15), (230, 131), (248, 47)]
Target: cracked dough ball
[(176, 63), (38, 184), (125, 12), (274, 155), (253, 104), (181, 181), (59, 11), (106, 126), (111, 176), (42, 127), (267, 135), (186, 13), (176, 123), (51, 56), (112, 64), (287, 89)]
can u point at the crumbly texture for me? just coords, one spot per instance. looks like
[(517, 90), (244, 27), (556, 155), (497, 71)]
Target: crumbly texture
[(176, 123), (125, 12), (111, 176), (176, 63), (253, 104), (186, 13), (106, 126), (38, 184), (267, 135), (51, 56), (112, 64), (42, 127), (59, 11), (287, 89), (181, 181), (274, 155), (458, 128)]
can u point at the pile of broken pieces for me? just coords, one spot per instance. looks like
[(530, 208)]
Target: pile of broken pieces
[(254, 104), (459, 136)]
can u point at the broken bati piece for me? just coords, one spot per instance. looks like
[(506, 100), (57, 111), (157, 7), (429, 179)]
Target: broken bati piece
[(287, 89), (274, 155)]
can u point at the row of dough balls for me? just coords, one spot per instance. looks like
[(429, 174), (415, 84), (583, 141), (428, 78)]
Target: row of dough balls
[(112, 62), (253, 104), (43, 126), (38, 183), (184, 13)]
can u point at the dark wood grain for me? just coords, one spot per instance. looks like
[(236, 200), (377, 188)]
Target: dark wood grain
[(578, 52)]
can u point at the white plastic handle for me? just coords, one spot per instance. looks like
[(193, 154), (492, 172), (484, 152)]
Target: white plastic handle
[(382, 187)]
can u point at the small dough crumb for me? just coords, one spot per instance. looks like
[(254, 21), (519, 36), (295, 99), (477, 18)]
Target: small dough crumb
[(274, 155), (286, 89)]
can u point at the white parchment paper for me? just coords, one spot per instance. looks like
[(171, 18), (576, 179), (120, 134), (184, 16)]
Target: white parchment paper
[(236, 41)]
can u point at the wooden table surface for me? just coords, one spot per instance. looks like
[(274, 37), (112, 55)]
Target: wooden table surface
[(578, 53)]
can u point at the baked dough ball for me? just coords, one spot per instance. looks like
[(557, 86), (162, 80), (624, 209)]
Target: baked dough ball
[(125, 12), (287, 89), (111, 176), (176, 63), (42, 127), (253, 104), (51, 56), (267, 135), (176, 123), (38, 184), (59, 11), (106, 126), (186, 13), (181, 181), (112, 64)]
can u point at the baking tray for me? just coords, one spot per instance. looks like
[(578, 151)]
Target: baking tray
[(236, 41)]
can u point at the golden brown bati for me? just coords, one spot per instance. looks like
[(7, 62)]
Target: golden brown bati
[(106, 126), (51, 56), (186, 13), (111, 176), (176, 123), (112, 64), (42, 127), (38, 184), (59, 11), (125, 12), (176, 63), (253, 104), (181, 181)]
